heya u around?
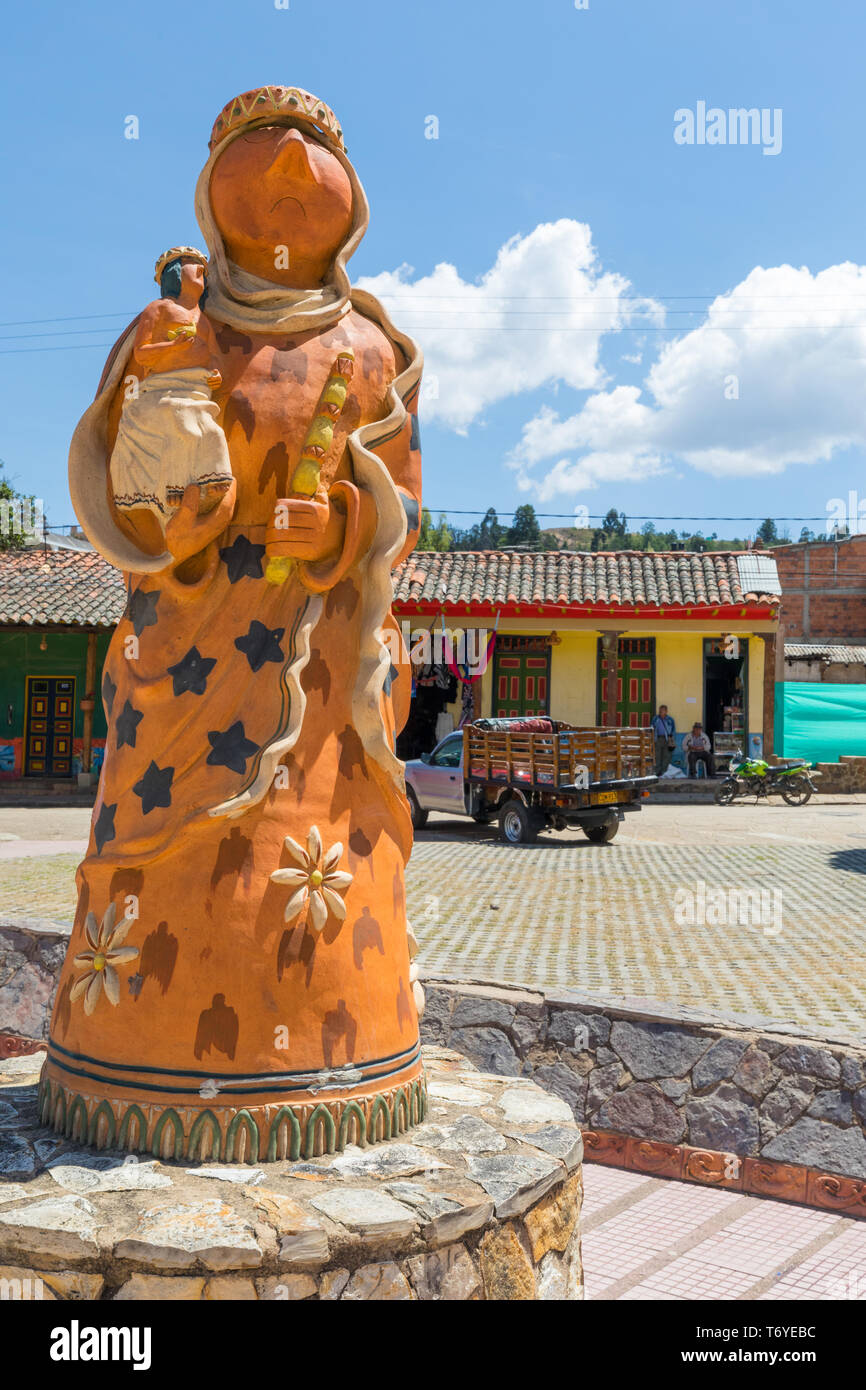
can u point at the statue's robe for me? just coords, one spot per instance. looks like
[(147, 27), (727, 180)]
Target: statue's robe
[(228, 1011)]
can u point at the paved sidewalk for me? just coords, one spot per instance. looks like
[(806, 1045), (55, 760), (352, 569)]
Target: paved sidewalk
[(39, 849), (648, 1238), (603, 920)]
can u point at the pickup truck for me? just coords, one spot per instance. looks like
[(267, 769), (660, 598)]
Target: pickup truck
[(534, 774)]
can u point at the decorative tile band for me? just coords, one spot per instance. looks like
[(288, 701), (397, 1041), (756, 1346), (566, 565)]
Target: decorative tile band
[(229, 1134), (763, 1177)]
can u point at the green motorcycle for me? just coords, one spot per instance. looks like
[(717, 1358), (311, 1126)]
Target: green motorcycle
[(754, 777)]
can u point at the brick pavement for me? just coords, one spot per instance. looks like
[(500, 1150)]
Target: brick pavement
[(651, 1239), (564, 914)]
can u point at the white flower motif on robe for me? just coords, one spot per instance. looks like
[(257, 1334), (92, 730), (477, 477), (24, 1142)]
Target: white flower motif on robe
[(106, 951), (316, 882)]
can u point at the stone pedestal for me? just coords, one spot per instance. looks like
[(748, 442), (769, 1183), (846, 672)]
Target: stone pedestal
[(480, 1202)]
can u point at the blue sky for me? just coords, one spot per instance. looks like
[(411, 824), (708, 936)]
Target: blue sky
[(556, 142)]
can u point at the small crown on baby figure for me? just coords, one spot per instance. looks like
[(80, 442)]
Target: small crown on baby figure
[(174, 253)]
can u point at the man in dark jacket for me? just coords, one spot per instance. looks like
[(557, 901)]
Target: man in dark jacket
[(663, 728)]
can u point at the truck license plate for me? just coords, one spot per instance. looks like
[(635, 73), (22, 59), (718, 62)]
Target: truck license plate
[(601, 798)]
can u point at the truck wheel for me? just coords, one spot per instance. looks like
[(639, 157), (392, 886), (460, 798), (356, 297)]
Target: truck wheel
[(517, 824), (419, 817), (601, 834)]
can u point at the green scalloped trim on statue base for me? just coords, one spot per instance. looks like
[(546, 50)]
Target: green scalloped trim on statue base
[(271, 1133)]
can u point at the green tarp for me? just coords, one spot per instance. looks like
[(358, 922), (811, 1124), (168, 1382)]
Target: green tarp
[(820, 722)]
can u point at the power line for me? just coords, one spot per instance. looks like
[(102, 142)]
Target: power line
[(62, 347), (600, 516), (70, 318), (61, 333)]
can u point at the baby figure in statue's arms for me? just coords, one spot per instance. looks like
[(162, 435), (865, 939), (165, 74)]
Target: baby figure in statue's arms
[(169, 436)]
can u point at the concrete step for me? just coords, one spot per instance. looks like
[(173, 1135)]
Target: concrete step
[(686, 788)]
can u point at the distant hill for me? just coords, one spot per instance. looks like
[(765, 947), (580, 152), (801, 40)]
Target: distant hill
[(580, 538)]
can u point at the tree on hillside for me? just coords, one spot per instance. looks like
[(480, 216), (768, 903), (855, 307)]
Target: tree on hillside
[(615, 523), (425, 534), (612, 534), (442, 538), (525, 529), (490, 532), (432, 537), (15, 511), (768, 533)]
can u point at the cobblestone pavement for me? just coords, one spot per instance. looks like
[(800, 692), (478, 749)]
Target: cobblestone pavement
[(565, 914), (608, 920), (648, 1238)]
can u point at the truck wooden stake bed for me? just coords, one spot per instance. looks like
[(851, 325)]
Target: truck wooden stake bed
[(534, 774)]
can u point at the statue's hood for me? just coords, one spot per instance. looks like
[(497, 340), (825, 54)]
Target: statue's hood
[(253, 305)]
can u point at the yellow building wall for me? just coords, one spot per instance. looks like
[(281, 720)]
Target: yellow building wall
[(679, 674), (573, 676), (757, 651)]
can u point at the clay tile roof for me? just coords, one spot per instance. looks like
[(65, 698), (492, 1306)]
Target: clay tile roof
[(82, 589), (830, 651), (76, 589), (506, 578)]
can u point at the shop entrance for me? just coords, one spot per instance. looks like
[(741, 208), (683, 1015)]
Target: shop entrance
[(726, 668), (434, 688)]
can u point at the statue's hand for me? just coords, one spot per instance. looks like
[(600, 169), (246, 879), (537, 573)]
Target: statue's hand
[(306, 528), (188, 533)]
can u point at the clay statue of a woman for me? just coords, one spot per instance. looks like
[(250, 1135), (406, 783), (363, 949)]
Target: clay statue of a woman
[(239, 982)]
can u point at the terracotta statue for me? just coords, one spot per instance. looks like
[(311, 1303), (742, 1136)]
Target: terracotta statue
[(169, 437), (239, 982)]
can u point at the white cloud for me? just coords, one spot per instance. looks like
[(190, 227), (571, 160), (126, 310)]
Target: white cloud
[(534, 319), (776, 375)]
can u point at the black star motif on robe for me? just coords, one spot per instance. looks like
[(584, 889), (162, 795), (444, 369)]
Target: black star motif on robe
[(191, 672), (127, 725), (231, 749), (109, 690), (103, 830), (261, 644), (243, 559), (141, 610), (392, 675), (154, 788)]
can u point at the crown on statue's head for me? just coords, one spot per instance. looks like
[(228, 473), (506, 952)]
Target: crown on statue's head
[(173, 253), (264, 102)]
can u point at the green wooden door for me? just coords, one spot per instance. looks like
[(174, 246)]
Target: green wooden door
[(521, 678), (635, 683)]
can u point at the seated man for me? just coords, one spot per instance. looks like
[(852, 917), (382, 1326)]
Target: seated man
[(663, 728), (697, 748)]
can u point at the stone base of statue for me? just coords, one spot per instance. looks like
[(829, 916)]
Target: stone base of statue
[(481, 1202)]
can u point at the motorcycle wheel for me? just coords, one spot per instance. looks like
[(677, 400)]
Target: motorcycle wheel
[(726, 792), (796, 791)]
